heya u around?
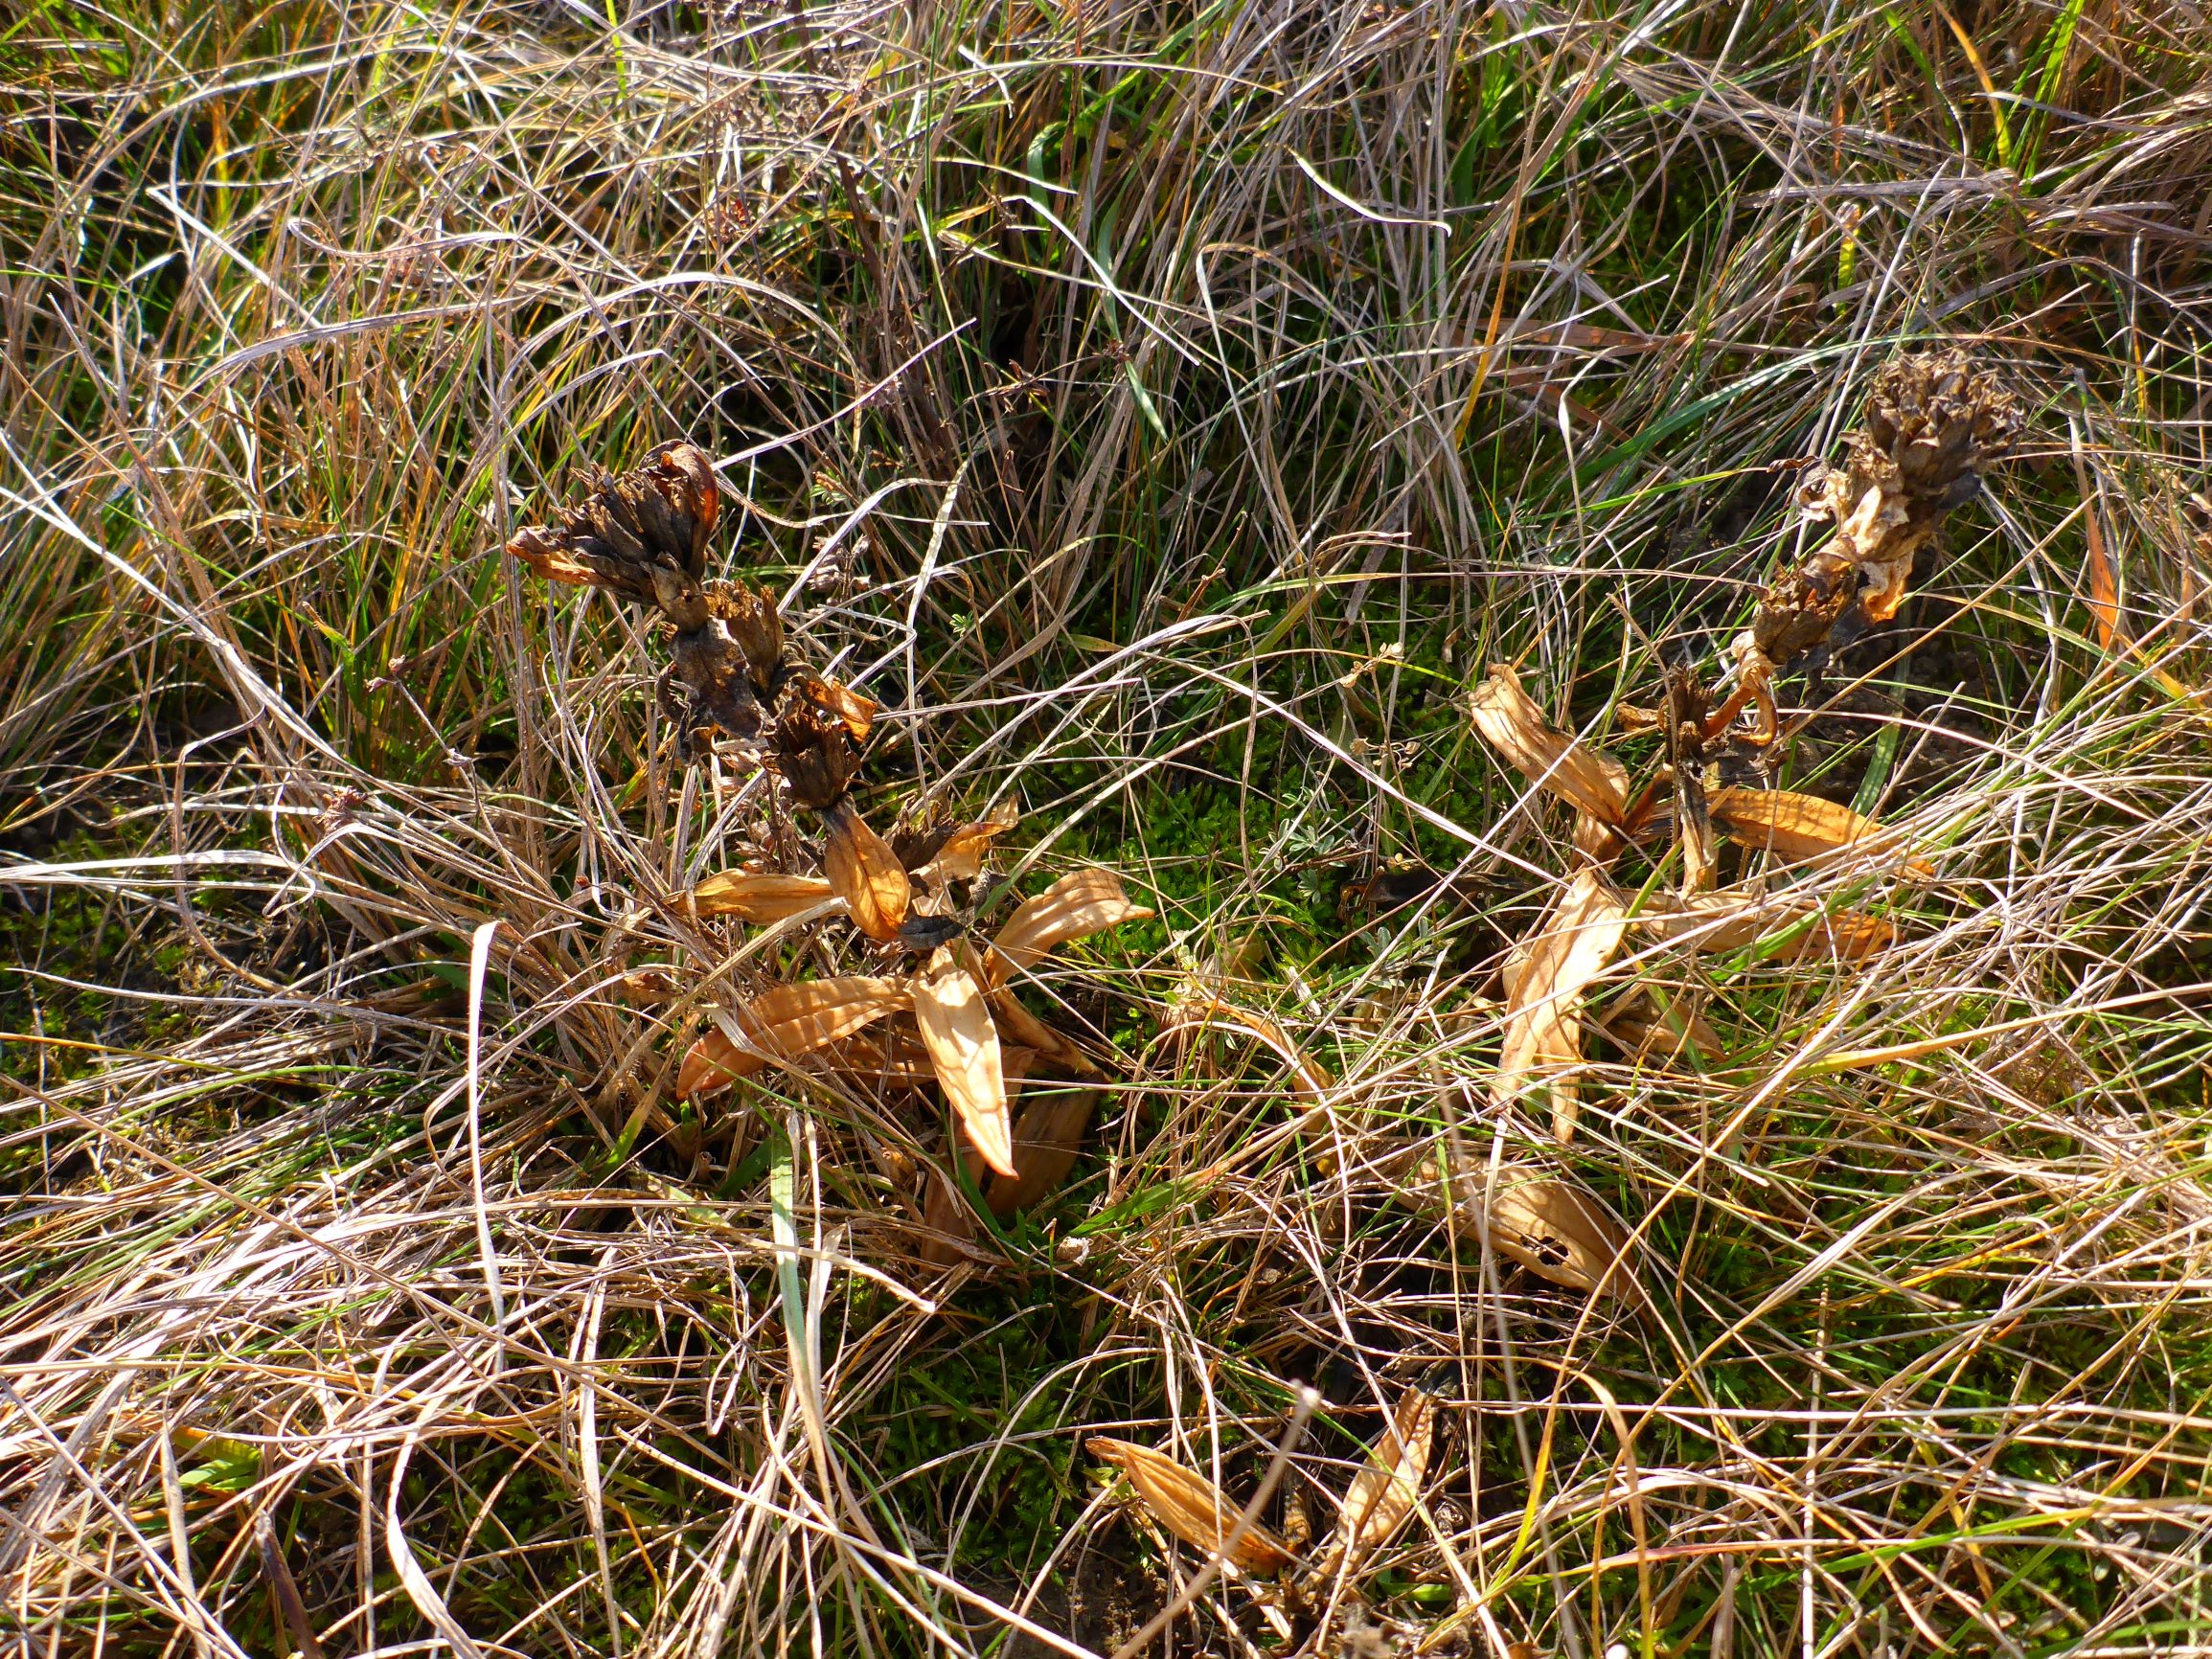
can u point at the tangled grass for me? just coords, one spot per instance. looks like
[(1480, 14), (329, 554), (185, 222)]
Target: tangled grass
[(1165, 412)]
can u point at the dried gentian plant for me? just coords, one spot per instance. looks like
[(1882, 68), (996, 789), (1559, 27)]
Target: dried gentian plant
[(643, 535)]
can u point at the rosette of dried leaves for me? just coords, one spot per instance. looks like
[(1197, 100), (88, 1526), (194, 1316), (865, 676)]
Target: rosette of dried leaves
[(957, 1008)]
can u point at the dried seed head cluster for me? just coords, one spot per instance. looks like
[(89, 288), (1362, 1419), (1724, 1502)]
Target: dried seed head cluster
[(1933, 422), (642, 535)]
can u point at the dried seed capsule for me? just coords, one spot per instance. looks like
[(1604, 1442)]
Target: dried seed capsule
[(813, 756), (750, 616)]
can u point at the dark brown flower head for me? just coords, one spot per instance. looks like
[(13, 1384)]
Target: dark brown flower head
[(660, 515), (750, 616), (815, 758)]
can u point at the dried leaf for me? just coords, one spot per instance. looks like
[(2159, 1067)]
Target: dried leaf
[(552, 562), (1047, 1136), (787, 1021), (1510, 723), (1076, 906), (947, 1223), (863, 874), (1648, 1025), (1018, 1025), (954, 1019), (753, 895), (1553, 1229), (855, 711), (1731, 921), (1202, 1011), (1385, 1490), (893, 1057), (1190, 1506), (1543, 1029), (1797, 827), (960, 856)]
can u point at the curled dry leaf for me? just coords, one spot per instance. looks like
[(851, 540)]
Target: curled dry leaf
[(1550, 1227), (891, 1057), (1593, 783), (1021, 1026), (1385, 1490), (755, 895), (954, 1020), (787, 1022), (1543, 1028), (1190, 1506), (1797, 827), (1076, 906), (863, 873), (1649, 1025), (959, 855), (856, 713), (1202, 1011), (1047, 1135)]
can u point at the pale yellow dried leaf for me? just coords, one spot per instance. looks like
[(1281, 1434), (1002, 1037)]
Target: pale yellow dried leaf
[(1076, 906), (864, 874), (1510, 723), (1386, 1489), (1189, 1505), (1797, 827), (754, 896), (1544, 1027), (954, 1020), (787, 1021), (1550, 1227)]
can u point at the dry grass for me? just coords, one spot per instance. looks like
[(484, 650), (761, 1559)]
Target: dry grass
[(1165, 412)]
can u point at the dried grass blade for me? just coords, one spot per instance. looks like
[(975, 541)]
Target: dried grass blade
[(1511, 724), (1543, 1028), (1307, 1076), (864, 874), (1384, 1492), (754, 896), (787, 1021), (1076, 906), (954, 1019), (1190, 1506)]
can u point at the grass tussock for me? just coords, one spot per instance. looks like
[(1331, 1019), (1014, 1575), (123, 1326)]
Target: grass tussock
[(1156, 420)]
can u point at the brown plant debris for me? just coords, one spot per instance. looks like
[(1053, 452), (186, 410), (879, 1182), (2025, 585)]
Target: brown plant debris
[(1191, 1506), (1594, 783), (1384, 1492), (1544, 1027), (1933, 422), (1548, 1225)]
